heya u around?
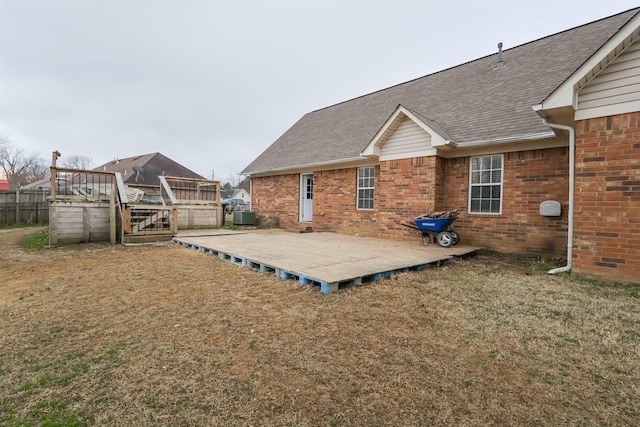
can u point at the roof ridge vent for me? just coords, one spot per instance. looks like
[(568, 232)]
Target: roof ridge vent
[(500, 63)]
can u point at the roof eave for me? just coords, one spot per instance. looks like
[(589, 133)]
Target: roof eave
[(565, 94), (506, 140), (309, 166)]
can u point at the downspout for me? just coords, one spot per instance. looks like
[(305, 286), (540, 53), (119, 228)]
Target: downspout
[(572, 149), (251, 193)]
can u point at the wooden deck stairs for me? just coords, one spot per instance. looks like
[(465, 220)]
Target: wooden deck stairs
[(145, 222), (145, 218), (98, 205)]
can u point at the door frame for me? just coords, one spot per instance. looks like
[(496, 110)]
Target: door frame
[(303, 191)]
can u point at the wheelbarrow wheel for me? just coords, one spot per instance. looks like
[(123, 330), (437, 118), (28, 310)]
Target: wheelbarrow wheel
[(444, 239), (455, 236)]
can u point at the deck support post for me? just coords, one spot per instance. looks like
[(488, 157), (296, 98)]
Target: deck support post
[(112, 218), (326, 288)]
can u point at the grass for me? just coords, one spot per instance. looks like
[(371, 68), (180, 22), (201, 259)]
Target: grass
[(37, 240), (171, 336)]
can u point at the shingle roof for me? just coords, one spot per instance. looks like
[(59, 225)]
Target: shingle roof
[(153, 165), (469, 102)]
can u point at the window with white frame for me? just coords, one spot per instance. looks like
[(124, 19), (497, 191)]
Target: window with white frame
[(485, 184), (365, 187)]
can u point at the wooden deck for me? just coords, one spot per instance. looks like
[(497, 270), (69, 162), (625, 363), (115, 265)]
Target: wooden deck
[(327, 259)]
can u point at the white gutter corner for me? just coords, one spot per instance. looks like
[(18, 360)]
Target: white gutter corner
[(572, 144)]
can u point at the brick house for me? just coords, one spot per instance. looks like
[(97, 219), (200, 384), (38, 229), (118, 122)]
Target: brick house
[(556, 119)]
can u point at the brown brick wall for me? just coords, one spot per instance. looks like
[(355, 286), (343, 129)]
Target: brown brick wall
[(607, 207), (530, 177), (334, 204), (276, 200), (407, 188)]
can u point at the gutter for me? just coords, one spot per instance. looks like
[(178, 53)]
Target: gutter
[(447, 143), (505, 140), (572, 167), (306, 166)]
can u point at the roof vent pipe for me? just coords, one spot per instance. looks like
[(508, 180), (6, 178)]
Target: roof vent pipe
[(500, 63)]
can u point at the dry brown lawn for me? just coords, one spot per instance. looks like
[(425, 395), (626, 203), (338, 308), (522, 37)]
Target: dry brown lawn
[(168, 336)]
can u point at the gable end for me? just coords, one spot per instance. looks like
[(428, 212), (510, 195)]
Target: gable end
[(615, 90), (404, 136), (566, 95), (407, 140)]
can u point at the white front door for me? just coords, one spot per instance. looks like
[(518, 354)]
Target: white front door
[(306, 197)]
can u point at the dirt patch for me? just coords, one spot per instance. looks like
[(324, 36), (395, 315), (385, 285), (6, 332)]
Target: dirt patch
[(15, 236), (171, 336)]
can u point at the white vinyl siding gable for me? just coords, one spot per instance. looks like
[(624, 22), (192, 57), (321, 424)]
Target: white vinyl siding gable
[(615, 90), (408, 140)]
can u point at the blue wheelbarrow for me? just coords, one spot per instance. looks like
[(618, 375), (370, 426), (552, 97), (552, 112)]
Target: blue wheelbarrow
[(436, 230)]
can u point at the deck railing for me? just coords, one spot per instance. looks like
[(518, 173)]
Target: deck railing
[(130, 213), (81, 185), (191, 191)]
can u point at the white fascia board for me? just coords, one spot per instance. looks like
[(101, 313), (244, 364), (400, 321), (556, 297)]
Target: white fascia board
[(317, 166), (436, 138), (565, 94), (373, 148), (539, 110)]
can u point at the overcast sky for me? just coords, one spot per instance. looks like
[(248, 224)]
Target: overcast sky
[(211, 84)]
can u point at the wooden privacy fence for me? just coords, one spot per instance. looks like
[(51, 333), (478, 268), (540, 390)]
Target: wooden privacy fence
[(24, 207)]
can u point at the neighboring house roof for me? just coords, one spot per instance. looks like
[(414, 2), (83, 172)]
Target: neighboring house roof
[(153, 165), (41, 184), (226, 194), (472, 102)]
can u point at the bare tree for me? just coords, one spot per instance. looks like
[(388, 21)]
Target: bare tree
[(236, 180), (18, 168), (245, 184), (37, 169), (77, 162)]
